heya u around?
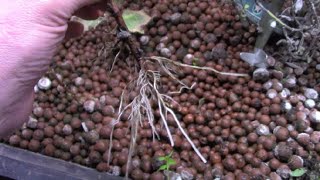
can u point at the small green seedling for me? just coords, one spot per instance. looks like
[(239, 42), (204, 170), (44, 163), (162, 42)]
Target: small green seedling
[(246, 6), (195, 61), (168, 162), (298, 172)]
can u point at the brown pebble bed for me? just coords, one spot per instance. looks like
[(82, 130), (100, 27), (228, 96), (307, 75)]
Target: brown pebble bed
[(246, 128)]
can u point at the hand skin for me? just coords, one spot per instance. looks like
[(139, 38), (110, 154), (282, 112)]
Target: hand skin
[(30, 32)]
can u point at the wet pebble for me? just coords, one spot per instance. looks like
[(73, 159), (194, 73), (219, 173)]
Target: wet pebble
[(261, 74), (165, 52), (284, 93), (32, 123), (310, 93), (271, 93), (144, 40), (286, 106), (290, 82), (175, 18), (44, 83), (89, 106), (267, 85), (263, 130), (315, 116), (309, 103)]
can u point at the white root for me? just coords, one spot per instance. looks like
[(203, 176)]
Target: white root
[(115, 60), (110, 146), (113, 123), (148, 81), (167, 109), (186, 136), (161, 104), (141, 105), (182, 88), (134, 119), (121, 102), (149, 112), (162, 59)]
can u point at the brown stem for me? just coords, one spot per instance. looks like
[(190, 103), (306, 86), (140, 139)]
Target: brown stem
[(117, 14)]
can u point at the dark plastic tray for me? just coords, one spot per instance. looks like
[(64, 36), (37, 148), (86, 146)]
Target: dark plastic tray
[(25, 165)]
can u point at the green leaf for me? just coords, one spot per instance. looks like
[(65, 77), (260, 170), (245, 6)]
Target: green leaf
[(246, 6), (162, 158), (88, 24), (163, 167), (298, 172), (135, 20), (170, 162), (194, 61)]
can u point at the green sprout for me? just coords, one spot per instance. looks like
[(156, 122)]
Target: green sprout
[(244, 9), (195, 61), (168, 162), (246, 6), (298, 172)]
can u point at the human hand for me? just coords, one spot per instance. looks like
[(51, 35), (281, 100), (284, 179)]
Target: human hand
[(30, 32)]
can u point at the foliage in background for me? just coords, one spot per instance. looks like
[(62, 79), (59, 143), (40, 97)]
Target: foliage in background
[(301, 29), (300, 25)]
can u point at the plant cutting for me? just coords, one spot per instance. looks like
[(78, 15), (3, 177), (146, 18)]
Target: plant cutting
[(147, 81)]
